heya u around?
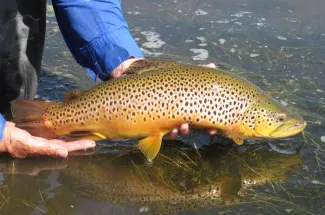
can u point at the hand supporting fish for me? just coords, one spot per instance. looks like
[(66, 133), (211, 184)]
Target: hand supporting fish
[(156, 98), (21, 144), (184, 129)]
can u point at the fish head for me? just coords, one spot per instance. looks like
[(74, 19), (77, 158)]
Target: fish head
[(267, 118)]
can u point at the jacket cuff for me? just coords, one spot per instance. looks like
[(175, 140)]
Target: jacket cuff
[(2, 126), (108, 51)]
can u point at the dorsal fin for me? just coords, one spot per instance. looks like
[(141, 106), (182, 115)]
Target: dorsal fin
[(72, 94), (141, 66)]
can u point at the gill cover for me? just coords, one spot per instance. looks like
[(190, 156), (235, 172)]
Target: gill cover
[(268, 118)]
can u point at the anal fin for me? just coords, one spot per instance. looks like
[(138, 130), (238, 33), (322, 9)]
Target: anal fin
[(150, 146)]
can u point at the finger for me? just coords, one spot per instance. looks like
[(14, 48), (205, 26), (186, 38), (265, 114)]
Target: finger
[(120, 69), (77, 145), (212, 131), (51, 141), (210, 65), (10, 124), (71, 146), (173, 134), (39, 146), (184, 129)]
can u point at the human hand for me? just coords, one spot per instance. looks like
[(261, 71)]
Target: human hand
[(120, 69), (183, 129), (20, 144)]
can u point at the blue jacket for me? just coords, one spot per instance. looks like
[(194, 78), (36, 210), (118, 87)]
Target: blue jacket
[(2, 125), (97, 35)]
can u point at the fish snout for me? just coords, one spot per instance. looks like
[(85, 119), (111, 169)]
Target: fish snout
[(290, 129)]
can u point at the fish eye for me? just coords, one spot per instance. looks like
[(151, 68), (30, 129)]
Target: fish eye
[(281, 117)]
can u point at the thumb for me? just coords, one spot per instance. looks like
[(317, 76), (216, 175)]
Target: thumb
[(10, 124), (210, 65)]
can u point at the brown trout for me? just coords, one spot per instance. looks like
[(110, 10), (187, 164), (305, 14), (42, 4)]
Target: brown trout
[(155, 97)]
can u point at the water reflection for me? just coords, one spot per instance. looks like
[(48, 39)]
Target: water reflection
[(180, 179)]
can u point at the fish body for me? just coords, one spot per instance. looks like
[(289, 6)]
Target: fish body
[(157, 96)]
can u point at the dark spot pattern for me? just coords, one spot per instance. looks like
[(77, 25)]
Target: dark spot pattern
[(164, 91)]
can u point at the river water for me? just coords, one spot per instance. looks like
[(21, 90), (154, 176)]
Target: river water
[(276, 44)]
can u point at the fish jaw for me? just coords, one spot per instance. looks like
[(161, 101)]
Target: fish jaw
[(294, 125), (289, 129)]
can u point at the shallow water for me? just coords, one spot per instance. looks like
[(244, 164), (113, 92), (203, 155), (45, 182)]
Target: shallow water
[(278, 45)]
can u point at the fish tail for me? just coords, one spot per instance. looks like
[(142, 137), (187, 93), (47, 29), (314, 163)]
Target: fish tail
[(27, 115)]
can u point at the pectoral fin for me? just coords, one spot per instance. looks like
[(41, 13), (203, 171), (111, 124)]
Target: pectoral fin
[(237, 136), (235, 133), (85, 136), (150, 146)]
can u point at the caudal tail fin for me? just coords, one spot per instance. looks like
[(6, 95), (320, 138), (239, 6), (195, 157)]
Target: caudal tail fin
[(27, 114)]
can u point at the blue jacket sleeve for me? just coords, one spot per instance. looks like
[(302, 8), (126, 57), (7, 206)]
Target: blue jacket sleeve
[(2, 126), (96, 33)]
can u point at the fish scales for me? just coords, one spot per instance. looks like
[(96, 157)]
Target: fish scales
[(177, 95), (157, 96)]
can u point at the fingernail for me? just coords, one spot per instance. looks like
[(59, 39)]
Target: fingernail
[(61, 153), (91, 144)]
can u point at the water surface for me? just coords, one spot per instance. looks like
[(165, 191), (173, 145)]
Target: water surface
[(277, 44)]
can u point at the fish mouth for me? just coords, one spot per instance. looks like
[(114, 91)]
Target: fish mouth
[(286, 130)]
